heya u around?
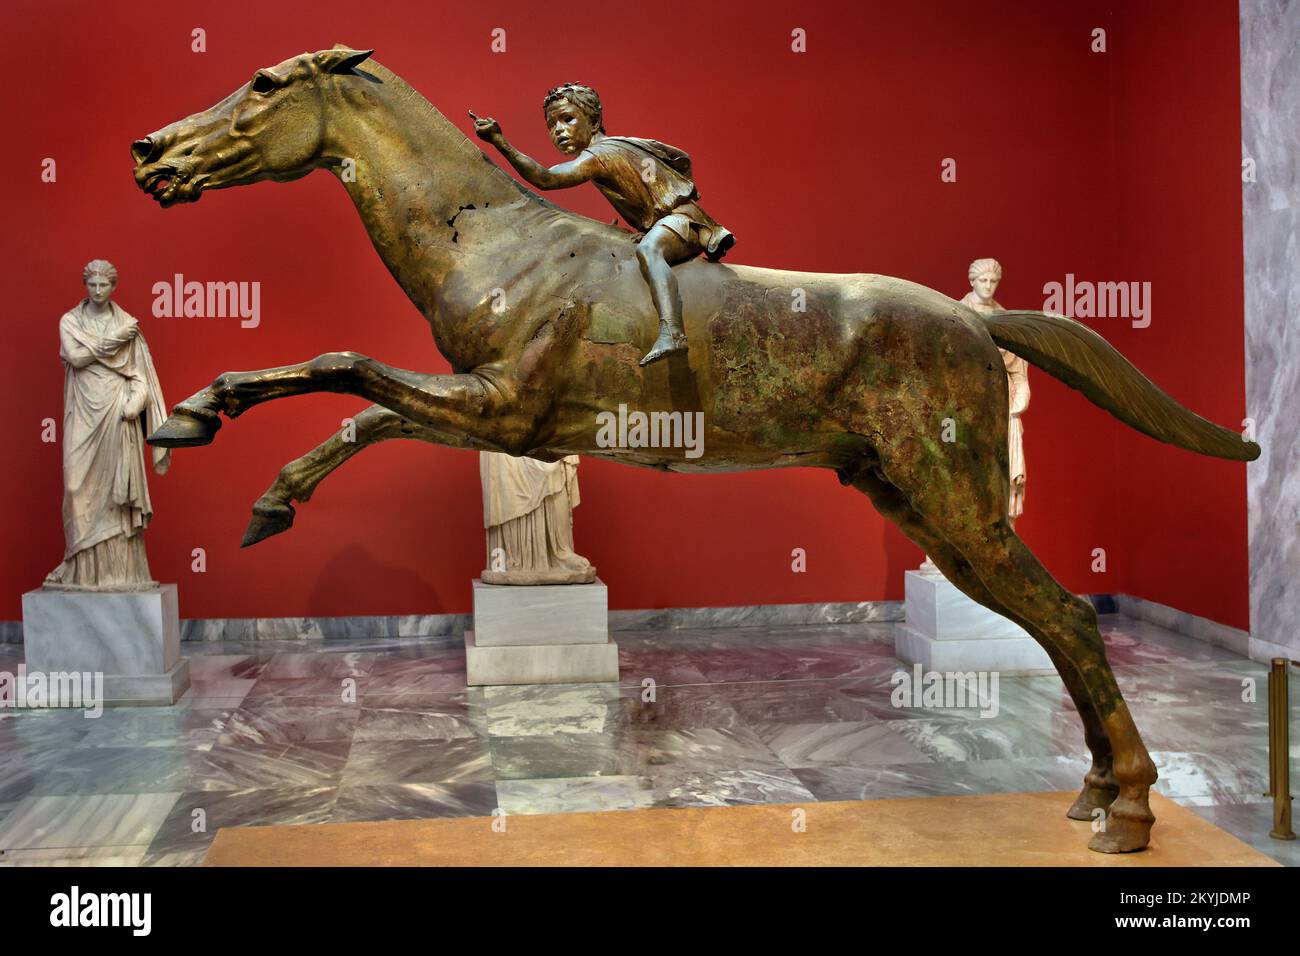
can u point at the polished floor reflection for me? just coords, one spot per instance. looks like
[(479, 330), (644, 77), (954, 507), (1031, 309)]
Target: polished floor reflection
[(331, 731)]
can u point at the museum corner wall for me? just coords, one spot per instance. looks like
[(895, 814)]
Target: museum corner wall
[(1270, 136)]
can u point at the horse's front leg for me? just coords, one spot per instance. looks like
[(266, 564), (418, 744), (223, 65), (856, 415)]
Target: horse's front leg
[(468, 409), (297, 481), (273, 512)]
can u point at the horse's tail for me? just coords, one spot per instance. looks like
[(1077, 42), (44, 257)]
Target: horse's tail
[(1082, 359)]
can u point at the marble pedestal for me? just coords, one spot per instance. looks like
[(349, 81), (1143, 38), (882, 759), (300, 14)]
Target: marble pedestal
[(540, 634), (945, 630), (131, 637)]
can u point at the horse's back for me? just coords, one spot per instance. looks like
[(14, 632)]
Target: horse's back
[(777, 358)]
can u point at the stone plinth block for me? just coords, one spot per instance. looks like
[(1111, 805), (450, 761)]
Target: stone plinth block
[(947, 631), (540, 663), (936, 608), (131, 637), (511, 615)]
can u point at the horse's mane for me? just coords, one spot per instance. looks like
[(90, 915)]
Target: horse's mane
[(413, 100), (417, 107)]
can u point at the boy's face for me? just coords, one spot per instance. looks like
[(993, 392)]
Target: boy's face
[(570, 128)]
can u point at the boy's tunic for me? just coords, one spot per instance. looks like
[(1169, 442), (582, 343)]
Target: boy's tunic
[(667, 195)]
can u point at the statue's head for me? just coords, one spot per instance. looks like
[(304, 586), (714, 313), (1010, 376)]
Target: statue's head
[(573, 116), (273, 127), (984, 276), (100, 278)]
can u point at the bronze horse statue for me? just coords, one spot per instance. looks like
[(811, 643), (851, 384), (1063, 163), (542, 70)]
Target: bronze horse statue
[(543, 315)]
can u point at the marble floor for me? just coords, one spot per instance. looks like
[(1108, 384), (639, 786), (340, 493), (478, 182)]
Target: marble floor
[(311, 732)]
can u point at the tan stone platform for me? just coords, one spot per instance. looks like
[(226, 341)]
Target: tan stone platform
[(1023, 829)]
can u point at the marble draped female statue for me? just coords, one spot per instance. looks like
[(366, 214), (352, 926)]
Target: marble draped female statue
[(528, 513), (111, 400), (984, 276)]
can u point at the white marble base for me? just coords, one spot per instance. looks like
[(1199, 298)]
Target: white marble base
[(131, 637), (512, 615), (449, 625), (1190, 625), (944, 630), (540, 663)]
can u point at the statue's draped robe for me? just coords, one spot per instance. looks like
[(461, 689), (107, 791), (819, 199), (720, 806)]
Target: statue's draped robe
[(1018, 394), (107, 371), (528, 511)]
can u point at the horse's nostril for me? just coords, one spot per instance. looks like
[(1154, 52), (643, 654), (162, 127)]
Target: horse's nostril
[(142, 150)]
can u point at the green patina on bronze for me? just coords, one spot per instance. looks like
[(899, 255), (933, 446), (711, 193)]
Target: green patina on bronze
[(544, 315)]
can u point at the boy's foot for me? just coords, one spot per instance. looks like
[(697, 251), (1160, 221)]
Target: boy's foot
[(668, 343), (721, 244)]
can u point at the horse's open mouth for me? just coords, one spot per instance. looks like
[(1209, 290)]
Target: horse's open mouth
[(167, 186)]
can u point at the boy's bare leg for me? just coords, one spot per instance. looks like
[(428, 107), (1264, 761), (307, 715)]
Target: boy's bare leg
[(657, 251)]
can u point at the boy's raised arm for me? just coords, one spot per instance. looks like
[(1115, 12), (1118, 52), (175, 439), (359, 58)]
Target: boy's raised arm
[(573, 173)]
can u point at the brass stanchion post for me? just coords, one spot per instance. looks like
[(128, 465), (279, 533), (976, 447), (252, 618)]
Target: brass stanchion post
[(1279, 743)]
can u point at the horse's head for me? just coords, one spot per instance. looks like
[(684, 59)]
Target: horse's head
[(273, 127)]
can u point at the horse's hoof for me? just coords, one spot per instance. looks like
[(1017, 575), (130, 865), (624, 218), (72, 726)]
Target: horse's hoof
[(268, 518), (1089, 800), (1127, 830), (186, 428)]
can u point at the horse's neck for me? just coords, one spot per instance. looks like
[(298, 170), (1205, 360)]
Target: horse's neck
[(412, 172)]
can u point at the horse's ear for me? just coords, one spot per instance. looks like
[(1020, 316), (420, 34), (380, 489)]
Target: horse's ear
[(341, 59)]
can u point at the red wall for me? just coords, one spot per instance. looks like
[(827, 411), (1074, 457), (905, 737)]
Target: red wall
[(1177, 145), (1068, 161)]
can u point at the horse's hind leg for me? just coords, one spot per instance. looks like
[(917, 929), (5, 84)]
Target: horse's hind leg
[(1099, 785), (1011, 572), (969, 513)]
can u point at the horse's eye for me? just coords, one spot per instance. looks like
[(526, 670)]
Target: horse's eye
[(263, 84)]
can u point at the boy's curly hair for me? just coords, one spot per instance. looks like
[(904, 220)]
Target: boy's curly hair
[(583, 97)]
